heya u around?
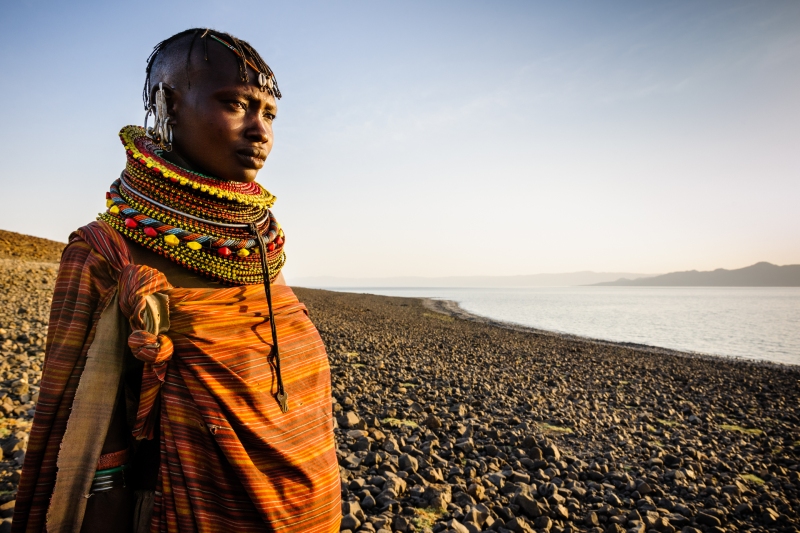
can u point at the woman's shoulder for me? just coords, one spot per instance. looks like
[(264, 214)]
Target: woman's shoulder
[(95, 252)]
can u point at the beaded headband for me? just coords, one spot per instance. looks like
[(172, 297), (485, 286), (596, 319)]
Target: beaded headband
[(266, 80)]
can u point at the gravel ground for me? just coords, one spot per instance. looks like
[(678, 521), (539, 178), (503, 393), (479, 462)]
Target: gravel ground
[(25, 292), (451, 424), (448, 424)]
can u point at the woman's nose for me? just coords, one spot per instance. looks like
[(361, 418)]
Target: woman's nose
[(259, 130)]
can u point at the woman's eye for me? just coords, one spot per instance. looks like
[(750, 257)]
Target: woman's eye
[(269, 116), (239, 105)]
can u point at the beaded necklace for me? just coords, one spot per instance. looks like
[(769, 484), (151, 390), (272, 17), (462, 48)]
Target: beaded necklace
[(208, 226)]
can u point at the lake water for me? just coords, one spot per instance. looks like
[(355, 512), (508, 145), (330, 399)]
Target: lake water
[(754, 323)]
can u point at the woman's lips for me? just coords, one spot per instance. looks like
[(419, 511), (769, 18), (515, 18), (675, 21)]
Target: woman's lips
[(252, 157)]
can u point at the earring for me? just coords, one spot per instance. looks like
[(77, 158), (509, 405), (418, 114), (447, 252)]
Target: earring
[(161, 132)]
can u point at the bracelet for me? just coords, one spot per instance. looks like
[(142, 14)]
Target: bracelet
[(110, 478)]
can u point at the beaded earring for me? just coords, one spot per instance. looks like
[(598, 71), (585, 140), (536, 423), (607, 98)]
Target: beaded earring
[(161, 132)]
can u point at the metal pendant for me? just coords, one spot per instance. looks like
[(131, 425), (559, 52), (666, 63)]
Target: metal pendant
[(283, 401)]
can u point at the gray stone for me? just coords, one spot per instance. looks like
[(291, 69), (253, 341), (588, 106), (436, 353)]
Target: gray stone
[(349, 419), (372, 458), (350, 522), (432, 422), (707, 519), (353, 508), (561, 512), (462, 499), (368, 502), (456, 526), (497, 479), (528, 505), (644, 489), (20, 387), (552, 451), (543, 522), (519, 525), (401, 524), (438, 496), (476, 491), (408, 463), (465, 445)]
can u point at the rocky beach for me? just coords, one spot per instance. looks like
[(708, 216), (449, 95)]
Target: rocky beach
[(447, 423), (28, 267)]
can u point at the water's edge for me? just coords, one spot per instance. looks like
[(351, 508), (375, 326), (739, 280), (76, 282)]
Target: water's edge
[(453, 309)]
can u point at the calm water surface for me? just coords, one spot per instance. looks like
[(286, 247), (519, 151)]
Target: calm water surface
[(755, 323)]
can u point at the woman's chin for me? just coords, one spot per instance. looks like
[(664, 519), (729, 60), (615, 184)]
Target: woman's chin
[(244, 176)]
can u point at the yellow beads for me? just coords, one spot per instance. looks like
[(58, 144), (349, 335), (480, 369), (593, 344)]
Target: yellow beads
[(129, 134), (114, 210), (243, 252), (109, 202), (236, 271), (194, 245)]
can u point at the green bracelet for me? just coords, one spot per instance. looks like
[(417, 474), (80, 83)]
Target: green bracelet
[(109, 471)]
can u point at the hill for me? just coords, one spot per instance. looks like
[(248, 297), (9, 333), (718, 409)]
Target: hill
[(28, 248), (759, 275)]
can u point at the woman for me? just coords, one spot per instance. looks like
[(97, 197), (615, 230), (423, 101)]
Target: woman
[(184, 387)]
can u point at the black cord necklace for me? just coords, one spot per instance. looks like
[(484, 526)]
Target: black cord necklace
[(282, 397)]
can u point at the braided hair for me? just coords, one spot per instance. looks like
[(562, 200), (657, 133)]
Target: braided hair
[(246, 52)]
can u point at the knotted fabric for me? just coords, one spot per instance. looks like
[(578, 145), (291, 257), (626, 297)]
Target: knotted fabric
[(147, 310)]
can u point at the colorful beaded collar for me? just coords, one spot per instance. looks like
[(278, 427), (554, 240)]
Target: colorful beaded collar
[(206, 225), (142, 150)]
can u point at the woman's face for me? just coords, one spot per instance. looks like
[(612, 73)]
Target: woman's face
[(221, 125)]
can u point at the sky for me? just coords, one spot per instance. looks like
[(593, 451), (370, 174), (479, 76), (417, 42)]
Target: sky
[(448, 138)]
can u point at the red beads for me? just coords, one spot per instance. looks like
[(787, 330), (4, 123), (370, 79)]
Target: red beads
[(130, 223), (271, 246), (150, 232), (224, 251), (279, 241)]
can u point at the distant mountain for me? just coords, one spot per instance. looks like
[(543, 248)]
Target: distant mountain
[(758, 275), (534, 280)]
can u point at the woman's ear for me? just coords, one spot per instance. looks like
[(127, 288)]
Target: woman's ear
[(172, 97)]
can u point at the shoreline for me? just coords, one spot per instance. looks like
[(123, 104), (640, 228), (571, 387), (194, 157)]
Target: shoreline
[(453, 309)]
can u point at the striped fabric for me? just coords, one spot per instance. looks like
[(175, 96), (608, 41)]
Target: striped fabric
[(230, 459), (84, 286)]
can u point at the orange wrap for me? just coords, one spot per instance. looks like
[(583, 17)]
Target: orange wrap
[(230, 459)]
